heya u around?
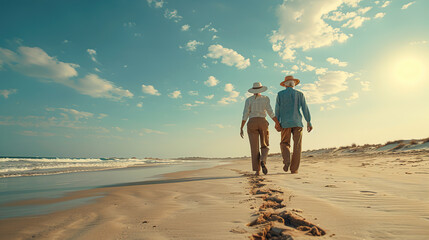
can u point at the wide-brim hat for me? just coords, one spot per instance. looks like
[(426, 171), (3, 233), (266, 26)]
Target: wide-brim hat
[(287, 78), (257, 88)]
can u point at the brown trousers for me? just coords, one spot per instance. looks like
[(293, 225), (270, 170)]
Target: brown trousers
[(285, 147), (257, 129)]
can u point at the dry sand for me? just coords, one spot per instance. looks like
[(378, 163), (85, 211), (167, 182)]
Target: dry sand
[(335, 195)]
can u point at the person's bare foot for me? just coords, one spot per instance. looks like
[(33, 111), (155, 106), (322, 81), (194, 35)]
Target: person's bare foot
[(257, 173), (295, 172), (285, 168)]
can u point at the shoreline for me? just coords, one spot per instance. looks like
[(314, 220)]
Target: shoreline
[(361, 196)]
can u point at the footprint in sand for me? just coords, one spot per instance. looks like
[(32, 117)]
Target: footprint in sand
[(331, 186), (368, 193)]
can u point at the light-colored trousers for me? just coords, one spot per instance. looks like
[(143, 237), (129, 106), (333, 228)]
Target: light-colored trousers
[(257, 129), (285, 147)]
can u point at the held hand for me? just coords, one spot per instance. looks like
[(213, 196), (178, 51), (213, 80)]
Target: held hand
[(278, 128), (309, 128), (241, 133)]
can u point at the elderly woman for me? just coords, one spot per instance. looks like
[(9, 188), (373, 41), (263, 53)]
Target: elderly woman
[(255, 109)]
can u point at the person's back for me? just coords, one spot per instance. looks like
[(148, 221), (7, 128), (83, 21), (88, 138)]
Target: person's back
[(288, 105), (289, 114)]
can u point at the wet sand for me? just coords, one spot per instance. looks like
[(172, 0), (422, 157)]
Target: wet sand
[(334, 196)]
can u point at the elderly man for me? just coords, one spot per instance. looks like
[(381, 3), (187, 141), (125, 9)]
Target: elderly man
[(288, 105)]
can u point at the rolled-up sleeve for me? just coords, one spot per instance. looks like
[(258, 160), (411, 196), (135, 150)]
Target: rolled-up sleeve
[(268, 108), (305, 110), (246, 111)]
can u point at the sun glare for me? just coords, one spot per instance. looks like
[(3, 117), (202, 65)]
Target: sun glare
[(408, 70)]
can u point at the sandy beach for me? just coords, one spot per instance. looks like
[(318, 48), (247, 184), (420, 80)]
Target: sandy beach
[(337, 194)]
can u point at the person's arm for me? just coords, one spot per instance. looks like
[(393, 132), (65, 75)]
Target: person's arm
[(241, 128), (306, 113), (246, 113), (277, 114), (270, 113)]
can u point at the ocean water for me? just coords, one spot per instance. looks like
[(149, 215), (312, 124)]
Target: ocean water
[(33, 166), (36, 178)]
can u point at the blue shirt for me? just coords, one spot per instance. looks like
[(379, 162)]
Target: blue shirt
[(288, 104)]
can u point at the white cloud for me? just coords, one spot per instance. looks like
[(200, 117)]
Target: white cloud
[(97, 70), (34, 62), (92, 53), (232, 95), (287, 72), (146, 130), (156, 3), (335, 61), (77, 115), (118, 129), (139, 105), (219, 125), (211, 82), (356, 22), (385, 4), (6, 92), (172, 14), (102, 115), (209, 96), (379, 15), (340, 16), (302, 26), (193, 93), (129, 24), (352, 3), (192, 45), (94, 86), (229, 87), (149, 89), (190, 105), (328, 84), (419, 42), (203, 65), (228, 56), (279, 65), (320, 71), (208, 26), (36, 134), (185, 27), (261, 61), (175, 94), (365, 85), (364, 10), (309, 58), (305, 67), (354, 96), (328, 107), (214, 37), (405, 6)]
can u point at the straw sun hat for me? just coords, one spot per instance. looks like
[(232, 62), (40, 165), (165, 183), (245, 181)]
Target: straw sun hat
[(257, 88), (288, 78)]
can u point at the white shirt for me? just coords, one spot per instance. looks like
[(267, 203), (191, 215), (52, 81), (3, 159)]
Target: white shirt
[(257, 106)]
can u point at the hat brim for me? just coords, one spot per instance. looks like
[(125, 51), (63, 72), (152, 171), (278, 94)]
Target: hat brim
[(295, 80), (257, 90)]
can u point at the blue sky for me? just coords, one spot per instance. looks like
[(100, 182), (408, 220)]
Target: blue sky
[(169, 78)]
